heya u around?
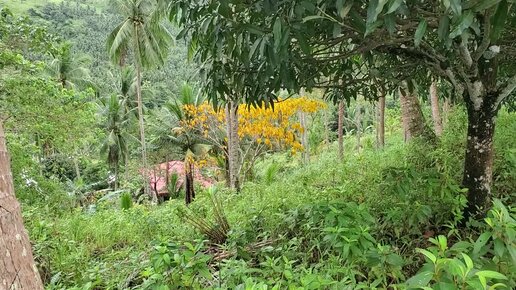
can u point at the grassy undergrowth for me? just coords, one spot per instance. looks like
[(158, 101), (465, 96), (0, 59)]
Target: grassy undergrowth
[(325, 225)]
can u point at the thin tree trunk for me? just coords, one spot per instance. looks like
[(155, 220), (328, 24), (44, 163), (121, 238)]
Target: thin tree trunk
[(340, 129), (189, 188), (358, 123), (77, 169), (436, 115), (381, 121), (304, 137), (17, 266), (141, 124), (413, 120), (446, 111), (326, 128), (233, 144)]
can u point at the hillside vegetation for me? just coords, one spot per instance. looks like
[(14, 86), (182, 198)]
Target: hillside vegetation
[(178, 144)]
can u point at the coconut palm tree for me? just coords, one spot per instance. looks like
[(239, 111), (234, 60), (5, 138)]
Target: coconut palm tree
[(142, 33), (69, 70), (172, 135), (112, 109)]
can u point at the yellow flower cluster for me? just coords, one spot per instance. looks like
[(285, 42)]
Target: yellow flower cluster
[(276, 127)]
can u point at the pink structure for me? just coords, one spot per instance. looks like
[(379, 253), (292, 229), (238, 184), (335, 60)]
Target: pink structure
[(158, 176)]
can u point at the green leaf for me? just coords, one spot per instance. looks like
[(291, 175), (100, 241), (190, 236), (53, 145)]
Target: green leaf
[(444, 27), (345, 10), (420, 32), (456, 6), (389, 22), (395, 260), (499, 247), (372, 15), (465, 21), (337, 30), (469, 262), (420, 280), (498, 20), (276, 30), (254, 47), (491, 274), (395, 4), (481, 242), (485, 4), (427, 254), (312, 17)]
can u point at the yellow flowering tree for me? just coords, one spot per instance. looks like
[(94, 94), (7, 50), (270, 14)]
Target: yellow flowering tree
[(260, 129)]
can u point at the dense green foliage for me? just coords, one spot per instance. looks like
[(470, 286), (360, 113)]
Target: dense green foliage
[(324, 225), (388, 217)]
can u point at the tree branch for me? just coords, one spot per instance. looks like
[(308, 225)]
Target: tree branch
[(509, 88)]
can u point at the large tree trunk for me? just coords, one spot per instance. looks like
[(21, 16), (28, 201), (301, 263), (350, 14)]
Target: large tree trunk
[(233, 144), (17, 267), (412, 116), (436, 115), (381, 121), (478, 162), (340, 129)]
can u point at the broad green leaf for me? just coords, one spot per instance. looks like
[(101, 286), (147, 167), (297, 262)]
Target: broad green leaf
[(389, 22), (465, 21), (456, 6), (420, 32), (481, 242), (345, 10), (444, 27), (395, 4), (469, 262), (485, 4), (420, 280), (372, 15), (491, 274), (494, 286), (427, 254), (499, 247), (498, 20)]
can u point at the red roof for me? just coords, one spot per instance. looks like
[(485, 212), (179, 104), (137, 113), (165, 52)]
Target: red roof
[(159, 172)]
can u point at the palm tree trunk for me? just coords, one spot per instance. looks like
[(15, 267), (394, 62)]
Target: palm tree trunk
[(18, 269), (436, 115), (381, 121), (141, 123), (340, 129)]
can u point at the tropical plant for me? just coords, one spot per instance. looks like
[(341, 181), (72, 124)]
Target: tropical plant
[(68, 69), (141, 32), (112, 110)]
